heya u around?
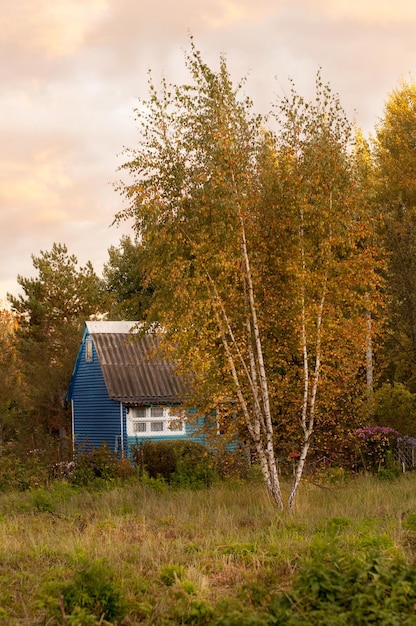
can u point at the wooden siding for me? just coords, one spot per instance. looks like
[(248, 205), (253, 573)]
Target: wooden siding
[(96, 417)]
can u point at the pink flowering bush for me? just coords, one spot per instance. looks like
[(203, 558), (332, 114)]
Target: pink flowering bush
[(375, 445)]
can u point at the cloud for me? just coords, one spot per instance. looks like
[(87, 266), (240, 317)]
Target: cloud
[(50, 28), (75, 69), (369, 11)]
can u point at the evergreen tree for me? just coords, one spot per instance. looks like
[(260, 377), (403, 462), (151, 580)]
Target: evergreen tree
[(128, 297), (51, 312)]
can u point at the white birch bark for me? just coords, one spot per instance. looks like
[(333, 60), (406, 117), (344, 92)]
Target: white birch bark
[(257, 418), (310, 388), (369, 362), (254, 419)]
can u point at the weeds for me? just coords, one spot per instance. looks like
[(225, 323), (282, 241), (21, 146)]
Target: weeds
[(133, 554), (370, 585), (93, 592)]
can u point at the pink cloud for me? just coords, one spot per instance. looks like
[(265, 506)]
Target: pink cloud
[(74, 70)]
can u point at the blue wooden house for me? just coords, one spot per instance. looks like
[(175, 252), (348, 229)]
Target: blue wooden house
[(122, 392)]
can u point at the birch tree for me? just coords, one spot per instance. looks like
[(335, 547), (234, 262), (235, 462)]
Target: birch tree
[(334, 262), (193, 198), (244, 235)]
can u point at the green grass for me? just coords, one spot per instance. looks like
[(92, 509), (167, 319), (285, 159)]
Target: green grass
[(142, 554)]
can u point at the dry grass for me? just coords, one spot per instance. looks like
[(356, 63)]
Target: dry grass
[(218, 539)]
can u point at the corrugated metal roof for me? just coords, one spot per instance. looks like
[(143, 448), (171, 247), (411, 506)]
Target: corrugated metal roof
[(132, 370)]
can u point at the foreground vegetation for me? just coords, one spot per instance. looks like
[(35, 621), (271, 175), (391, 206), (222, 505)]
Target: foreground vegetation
[(145, 553)]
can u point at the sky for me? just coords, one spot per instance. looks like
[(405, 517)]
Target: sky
[(73, 71)]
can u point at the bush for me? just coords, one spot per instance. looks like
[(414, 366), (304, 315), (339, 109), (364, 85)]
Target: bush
[(18, 474), (233, 462), (97, 465), (396, 407), (170, 574), (340, 587), (375, 445), (180, 463), (92, 595)]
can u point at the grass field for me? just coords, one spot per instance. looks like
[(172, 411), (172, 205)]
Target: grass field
[(148, 554)]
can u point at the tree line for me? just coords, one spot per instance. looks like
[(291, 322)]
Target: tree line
[(278, 254)]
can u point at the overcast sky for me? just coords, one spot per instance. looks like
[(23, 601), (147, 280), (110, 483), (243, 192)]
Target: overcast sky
[(72, 71)]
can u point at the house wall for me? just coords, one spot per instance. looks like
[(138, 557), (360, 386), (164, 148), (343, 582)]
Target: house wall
[(96, 418)]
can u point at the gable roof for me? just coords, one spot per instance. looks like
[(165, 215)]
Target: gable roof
[(132, 370)]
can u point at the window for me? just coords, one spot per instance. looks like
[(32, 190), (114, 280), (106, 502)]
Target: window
[(139, 427), (88, 350), (157, 420)]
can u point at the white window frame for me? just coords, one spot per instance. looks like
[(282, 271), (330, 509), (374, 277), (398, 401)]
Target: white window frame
[(88, 350), (155, 421)]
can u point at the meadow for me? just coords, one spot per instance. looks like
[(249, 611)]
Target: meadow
[(141, 552)]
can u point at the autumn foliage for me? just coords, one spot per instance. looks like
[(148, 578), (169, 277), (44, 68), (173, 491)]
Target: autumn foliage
[(259, 243), (276, 254)]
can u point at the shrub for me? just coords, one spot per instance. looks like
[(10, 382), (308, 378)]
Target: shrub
[(42, 501), (395, 406), (375, 445), (339, 587), (22, 474), (97, 465), (92, 594), (180, 463), (232, 462), (170, 574)]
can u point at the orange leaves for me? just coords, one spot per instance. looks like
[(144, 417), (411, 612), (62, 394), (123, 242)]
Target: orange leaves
[(260, 248)]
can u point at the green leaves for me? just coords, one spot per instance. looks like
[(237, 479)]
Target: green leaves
[(51, 311), (257, 244), (340, 586), (128, 292)]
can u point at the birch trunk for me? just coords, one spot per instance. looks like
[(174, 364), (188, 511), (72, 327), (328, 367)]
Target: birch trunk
[(254, 426), (309, 395), (369, 363), (254, 419), (298, 474)]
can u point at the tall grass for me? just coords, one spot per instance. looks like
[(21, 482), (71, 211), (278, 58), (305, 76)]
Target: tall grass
[(174, 555)]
